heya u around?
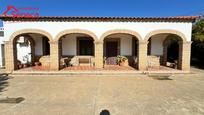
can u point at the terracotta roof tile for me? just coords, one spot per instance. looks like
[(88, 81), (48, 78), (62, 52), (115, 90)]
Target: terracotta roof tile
[(103, 19)]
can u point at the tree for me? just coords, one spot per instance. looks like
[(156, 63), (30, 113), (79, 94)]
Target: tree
[(198, 43), (198, 31)]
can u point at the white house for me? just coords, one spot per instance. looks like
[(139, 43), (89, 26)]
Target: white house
[(60, 42)]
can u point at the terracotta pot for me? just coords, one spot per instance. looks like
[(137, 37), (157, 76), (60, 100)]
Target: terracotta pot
[(122, 63)]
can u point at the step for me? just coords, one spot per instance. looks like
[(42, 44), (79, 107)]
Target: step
[(66, 73)]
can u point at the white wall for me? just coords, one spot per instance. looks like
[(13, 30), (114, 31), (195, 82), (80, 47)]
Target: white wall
[(125, 43), (157, 44), (38, 43), (23, 51), (69, 46), (98, 28), (126, 46), (143, 28)]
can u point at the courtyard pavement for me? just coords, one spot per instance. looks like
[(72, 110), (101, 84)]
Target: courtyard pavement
[(89, 95)]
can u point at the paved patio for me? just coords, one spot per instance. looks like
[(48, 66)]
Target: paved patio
[(82, 68), (89, 95), (160, 69)]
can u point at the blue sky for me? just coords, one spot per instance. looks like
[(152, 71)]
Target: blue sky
[(110, 7)]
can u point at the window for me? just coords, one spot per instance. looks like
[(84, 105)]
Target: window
[(85, 46)]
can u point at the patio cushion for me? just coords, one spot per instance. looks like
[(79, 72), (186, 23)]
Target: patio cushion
[(111, 60), (84, 60), (153, 61), (45, 61)]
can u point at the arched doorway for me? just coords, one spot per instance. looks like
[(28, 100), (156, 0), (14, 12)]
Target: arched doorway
[(76, 49), (29, 49), (121, 44), (24, 48), (172, 44), (164, 51)]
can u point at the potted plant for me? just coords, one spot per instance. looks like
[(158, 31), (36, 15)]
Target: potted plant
[(121, 60)]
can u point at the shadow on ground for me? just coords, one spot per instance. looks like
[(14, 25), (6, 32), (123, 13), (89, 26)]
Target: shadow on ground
[(160, 76), (105, 112), (3, 82)]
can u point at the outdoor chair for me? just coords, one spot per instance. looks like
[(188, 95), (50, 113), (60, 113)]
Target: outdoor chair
[(85, 60), (153, 62)]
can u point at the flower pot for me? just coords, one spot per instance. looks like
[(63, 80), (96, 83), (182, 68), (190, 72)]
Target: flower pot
[(126, 63), (122, 63), (121, 60)]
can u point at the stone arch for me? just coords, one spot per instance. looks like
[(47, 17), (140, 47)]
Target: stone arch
[(175, 32), (181, 39), (120, 31), (76, 31), (136, 35), (26, 31), (165, 50), (12, 65), (167, 39), (32, 44)]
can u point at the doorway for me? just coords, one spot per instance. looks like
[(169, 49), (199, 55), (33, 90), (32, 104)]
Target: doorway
[(85, 47), (111, 48), (46, 46)]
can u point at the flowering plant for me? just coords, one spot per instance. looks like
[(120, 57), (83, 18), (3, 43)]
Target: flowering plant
[(121, 59)]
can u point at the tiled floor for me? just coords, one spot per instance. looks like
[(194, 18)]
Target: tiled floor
[(87, 68), (106, 68), (35, 68)]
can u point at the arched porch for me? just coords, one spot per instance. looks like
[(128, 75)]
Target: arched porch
[(26, 48), (167, 51), (76, 49)]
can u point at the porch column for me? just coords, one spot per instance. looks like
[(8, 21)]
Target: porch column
[(54, 55), (184, 55), (9, 57), (98, 54), (164, 60), (142, 55)]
